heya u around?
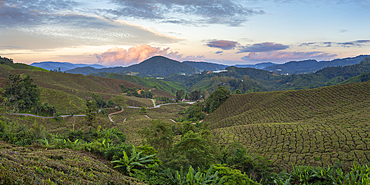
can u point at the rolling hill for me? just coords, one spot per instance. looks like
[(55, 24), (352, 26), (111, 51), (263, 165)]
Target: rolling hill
[(256, 66), (316, 127), (205, 66), (69, 91), (150, 82)]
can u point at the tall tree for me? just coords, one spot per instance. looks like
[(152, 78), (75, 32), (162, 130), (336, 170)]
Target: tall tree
[(119, 100), (195, 149), (216, 99), (179, 94), (159, 135), (195, 95), (99, 101), (91, 112), (21, 92)]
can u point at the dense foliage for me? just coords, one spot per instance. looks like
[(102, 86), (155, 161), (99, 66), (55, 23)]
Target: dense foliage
[(216, 99), (21, 92)]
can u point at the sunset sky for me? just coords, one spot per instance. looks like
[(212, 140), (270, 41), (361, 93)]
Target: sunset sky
[(125, 32)]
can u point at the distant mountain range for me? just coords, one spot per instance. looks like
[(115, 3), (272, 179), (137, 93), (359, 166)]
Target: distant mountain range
[(155, 66), (64, 66), (161, 66), (311, 66), (256, 66)]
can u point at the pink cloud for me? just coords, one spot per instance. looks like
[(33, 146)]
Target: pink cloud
[(288, 56), (136, 54)]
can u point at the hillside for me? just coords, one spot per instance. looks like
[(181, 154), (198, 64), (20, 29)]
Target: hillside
[(314, 127), (256, 66), (20, 165), (150, 82), (69, 91), (324, 77), (155, 66), (8, 63), (205, 66), (310, 66)]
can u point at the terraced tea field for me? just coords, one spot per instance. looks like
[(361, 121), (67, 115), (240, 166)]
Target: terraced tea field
[(314, 127)]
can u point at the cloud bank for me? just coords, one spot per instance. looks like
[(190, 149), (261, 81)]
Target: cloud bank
[(227, 12), (63, 24), (122, 57)]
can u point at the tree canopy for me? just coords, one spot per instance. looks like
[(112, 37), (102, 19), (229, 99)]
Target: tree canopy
[(216, 99), (21, 93)]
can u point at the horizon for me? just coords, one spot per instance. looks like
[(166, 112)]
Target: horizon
[(230, 32), (195, 61)]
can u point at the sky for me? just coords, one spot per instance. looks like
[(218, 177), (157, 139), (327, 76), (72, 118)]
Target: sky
[(126, 32)]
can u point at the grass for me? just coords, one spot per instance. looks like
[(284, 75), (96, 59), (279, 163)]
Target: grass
[(19, 165), (138, 102), (135, 121), (163, 85), (316, 127), (66, 91), (23, 66)]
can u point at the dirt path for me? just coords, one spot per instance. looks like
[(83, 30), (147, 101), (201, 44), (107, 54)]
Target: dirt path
[(153, 102), (109, 115)]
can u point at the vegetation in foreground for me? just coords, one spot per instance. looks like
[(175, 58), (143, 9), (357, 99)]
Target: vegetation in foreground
[(208, 154)]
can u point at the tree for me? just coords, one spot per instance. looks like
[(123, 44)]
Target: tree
[(232, 176), (21, 92), (195, 149), (99, 101), (238, 91), (179, 94), (205, 94), (216, 99), (142, 110), (110, 103), (159, 135), (195, 95), (186, 96), (119, 100), (1, 95), (91, 112)]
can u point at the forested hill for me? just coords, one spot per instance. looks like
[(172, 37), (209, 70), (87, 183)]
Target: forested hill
[(155, 66), (205, 66), (256, 66), (325, 77), (310, 66)]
